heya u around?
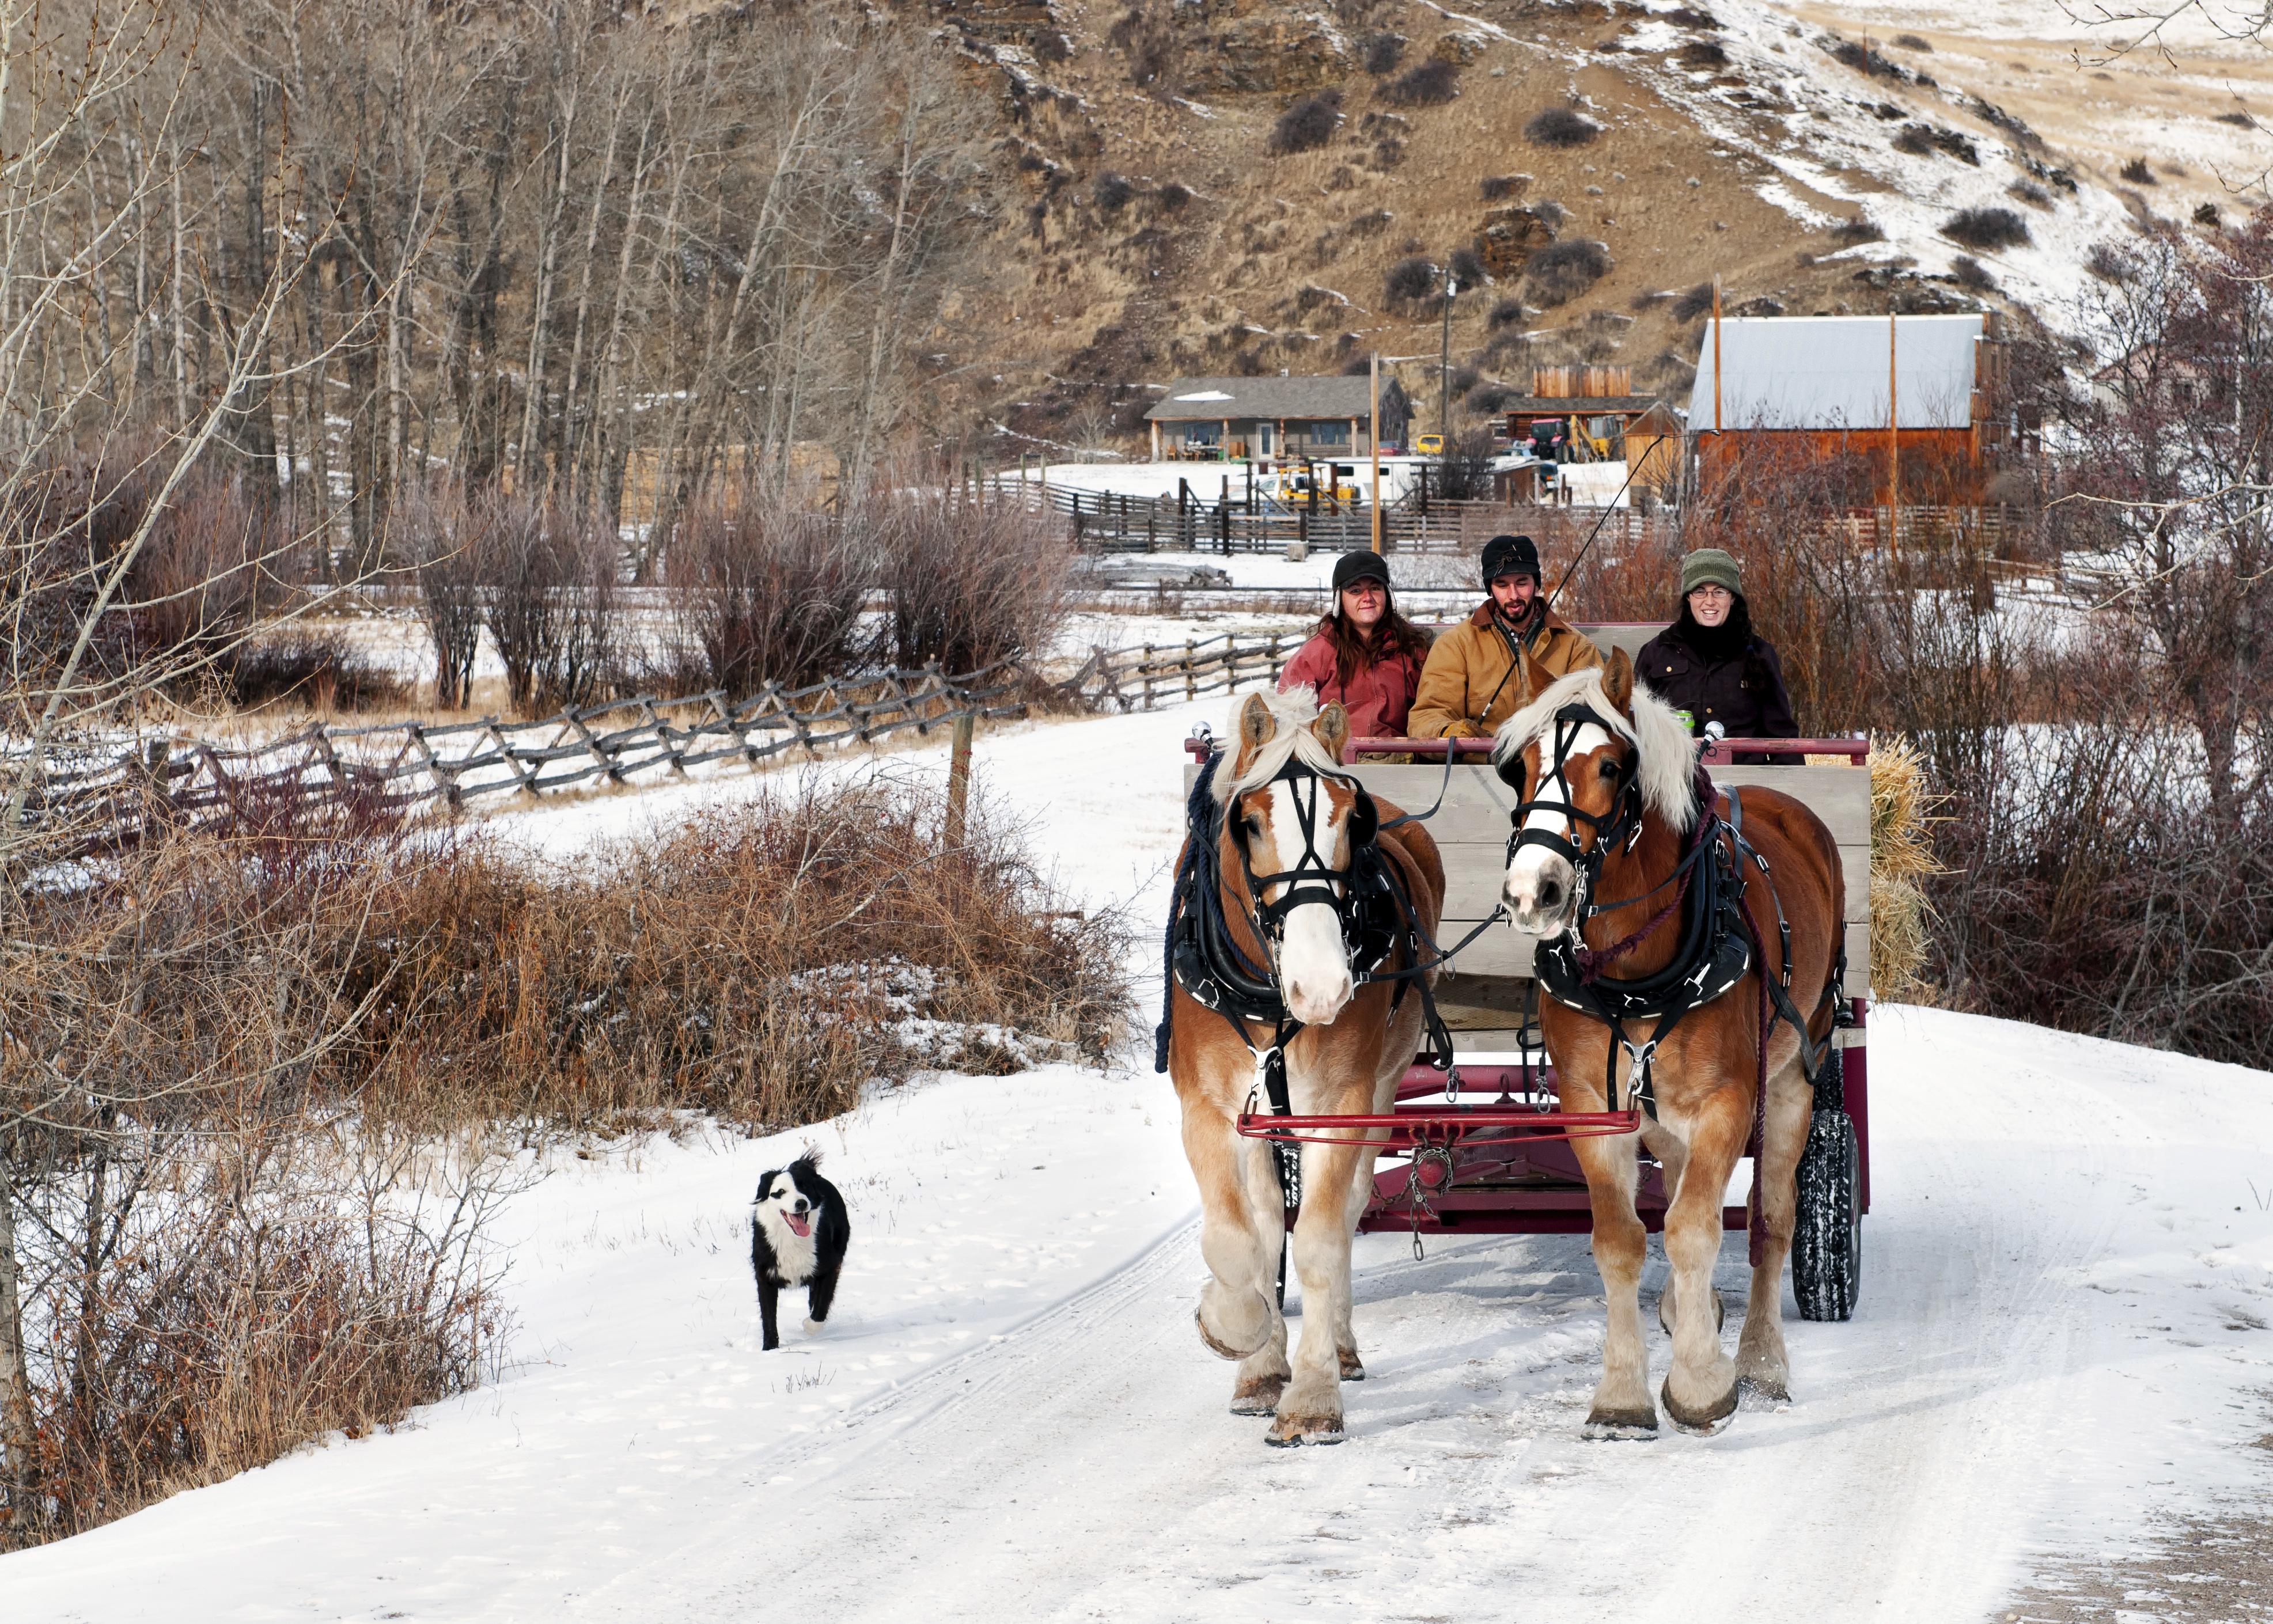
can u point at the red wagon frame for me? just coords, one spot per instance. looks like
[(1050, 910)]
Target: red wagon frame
[(1503, 1164)]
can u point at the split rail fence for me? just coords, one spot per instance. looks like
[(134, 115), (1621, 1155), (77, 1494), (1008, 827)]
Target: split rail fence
[(110, 799), (401, 766)]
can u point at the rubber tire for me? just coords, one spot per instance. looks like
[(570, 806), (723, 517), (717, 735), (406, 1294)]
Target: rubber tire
[(1826, 1239)]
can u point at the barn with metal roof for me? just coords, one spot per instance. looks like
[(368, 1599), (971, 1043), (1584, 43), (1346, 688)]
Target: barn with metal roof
[(1903, 390)]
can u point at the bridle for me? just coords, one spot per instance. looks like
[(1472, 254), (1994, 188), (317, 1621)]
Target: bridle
[(1621, 825), (1311, 879)]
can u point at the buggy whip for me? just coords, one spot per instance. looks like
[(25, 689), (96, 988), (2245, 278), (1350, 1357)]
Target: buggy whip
[(1631, 470)]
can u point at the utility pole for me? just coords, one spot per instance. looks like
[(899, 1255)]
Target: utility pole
[(1377, 451), (1894, 449), (1445, 367)]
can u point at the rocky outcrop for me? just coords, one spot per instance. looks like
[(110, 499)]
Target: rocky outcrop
[(1509, 236)]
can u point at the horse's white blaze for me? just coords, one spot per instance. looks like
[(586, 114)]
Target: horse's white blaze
[(1540, 884), (1314, 972)]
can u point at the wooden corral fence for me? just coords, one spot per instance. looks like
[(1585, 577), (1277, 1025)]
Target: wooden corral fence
[(1189, 522), (1170, 673), (402, 766)]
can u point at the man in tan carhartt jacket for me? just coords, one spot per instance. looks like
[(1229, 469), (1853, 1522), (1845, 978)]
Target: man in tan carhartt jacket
[(1471, 683)]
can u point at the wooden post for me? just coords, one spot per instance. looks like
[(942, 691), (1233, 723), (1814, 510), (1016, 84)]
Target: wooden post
[(1894, 450), (1375, 435), (958, 775)]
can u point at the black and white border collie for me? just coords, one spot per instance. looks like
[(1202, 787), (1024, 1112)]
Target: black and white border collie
[(799, 1231)]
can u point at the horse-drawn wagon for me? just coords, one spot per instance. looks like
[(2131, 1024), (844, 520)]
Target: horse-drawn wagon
[(1487, 1146)]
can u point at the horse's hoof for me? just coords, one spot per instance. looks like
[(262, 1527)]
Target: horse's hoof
[(1213, 1346), (1768, 1386), (1351, 1369), (1294, 1430), (1259, 1396), (1626, 1425), (1712, 1418)]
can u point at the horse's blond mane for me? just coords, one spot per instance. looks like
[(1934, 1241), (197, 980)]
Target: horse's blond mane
[(1295, 710), (1668, 756)]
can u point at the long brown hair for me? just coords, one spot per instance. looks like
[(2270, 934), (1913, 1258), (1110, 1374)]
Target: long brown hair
[(1392, 634)]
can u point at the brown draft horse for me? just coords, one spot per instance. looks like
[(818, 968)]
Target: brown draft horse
[(1283, 791), (1617, 742)]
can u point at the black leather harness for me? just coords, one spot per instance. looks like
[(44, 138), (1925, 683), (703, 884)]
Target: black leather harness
[(1206, 960), (1718, 944)]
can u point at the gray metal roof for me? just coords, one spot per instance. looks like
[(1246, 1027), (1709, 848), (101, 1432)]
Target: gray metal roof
[(1190, 399), (1830, 373)]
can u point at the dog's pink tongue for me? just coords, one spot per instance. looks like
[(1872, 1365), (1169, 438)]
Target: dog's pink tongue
[(799, 1224)]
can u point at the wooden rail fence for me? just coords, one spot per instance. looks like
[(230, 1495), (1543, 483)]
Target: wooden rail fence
[(1173, 672), (106, 799)]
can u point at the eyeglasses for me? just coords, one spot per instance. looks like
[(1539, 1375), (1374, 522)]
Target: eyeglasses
[(1712, 592)]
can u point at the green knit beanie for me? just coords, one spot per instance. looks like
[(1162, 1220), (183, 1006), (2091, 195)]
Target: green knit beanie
[(1709, 566)]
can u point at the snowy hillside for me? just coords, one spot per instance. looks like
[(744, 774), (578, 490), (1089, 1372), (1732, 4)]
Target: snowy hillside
[(2063, 1334)]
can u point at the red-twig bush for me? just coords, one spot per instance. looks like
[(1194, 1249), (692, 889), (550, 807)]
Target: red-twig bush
[(771, 588), (433, 527), (971, 582), (548, 587)]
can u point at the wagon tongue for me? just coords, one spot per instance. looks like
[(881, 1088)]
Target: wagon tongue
[(801, 1223)]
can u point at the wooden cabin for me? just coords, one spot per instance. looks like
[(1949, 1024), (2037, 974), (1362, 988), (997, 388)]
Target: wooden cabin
[(1270, 421)]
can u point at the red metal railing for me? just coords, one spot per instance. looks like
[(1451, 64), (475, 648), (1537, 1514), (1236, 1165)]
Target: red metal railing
[(1725, 752)]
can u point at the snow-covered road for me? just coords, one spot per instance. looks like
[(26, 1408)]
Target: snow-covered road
[(2063, 1331)]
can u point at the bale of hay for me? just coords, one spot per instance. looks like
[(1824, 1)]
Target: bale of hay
[(1900, 856)]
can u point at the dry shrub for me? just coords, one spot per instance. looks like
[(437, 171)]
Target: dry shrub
[(1497, 188), (1308, 124), (221, 1260), (2094, 888), (548, 586), (1560, 272), (1429, 84), (287, 1288), (1986, 229), (1696, 302), (762, 963), (770, 587), (1970, 273), (433, 529), (2137, 173), (1412, 280), (1562, 127), (207, 569), (1378, 54), (311, 666), (971, 583)]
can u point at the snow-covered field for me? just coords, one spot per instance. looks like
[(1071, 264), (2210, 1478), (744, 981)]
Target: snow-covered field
[(2063, 1335)]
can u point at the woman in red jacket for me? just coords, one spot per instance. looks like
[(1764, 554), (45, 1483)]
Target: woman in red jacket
[(1364, 653)]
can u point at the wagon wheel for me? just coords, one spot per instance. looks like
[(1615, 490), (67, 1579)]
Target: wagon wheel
[(1827, 1241)]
